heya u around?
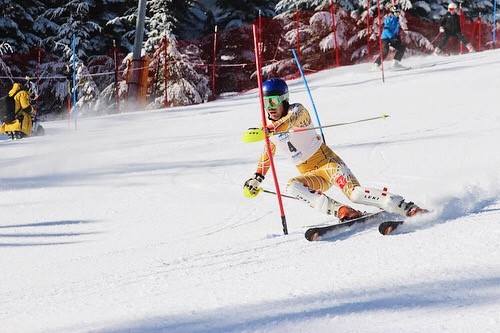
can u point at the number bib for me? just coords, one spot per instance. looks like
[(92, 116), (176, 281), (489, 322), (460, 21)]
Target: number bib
[(298, 146)]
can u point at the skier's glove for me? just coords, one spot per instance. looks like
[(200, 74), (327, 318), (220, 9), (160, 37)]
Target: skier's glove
[(441, 29), (251, 188)]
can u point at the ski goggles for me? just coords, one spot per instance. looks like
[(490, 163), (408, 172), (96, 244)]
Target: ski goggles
[(273, 102)]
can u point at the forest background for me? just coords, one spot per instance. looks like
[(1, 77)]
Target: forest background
[(199, 50)]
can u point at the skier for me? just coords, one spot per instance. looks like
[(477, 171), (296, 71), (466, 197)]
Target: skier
[(390, 38), (320, 168), (22, 125), (450, 26)]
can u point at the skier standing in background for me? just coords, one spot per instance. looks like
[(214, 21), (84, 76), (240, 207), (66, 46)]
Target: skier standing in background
[(450, 26), (390, 37), (320, 168)]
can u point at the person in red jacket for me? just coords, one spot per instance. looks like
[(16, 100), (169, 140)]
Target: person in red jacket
[(450, 26)]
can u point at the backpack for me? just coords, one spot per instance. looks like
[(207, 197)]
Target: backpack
[(7, 109)]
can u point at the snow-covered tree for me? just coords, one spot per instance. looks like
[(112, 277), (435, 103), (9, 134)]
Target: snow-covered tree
[(237, 13), (289, 5), (16, 23), (117, 19), (368, 35), (4, 49), (70, 18), (184, 84), (315, 34)]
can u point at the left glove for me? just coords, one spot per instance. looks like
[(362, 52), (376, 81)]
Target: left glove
[(441, 29), (251, 188)]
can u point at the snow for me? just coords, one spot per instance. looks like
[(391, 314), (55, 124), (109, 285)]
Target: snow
[(137, 222)]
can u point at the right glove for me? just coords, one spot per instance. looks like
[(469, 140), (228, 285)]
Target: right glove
[(251, 188), (441, 29)]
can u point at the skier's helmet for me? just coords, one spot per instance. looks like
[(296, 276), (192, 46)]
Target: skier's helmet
[(275, 91), (452, 7), (395, 10), (275, 87)]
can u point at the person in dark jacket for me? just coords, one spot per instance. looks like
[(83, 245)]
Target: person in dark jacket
[(450, 26), (390, 37)]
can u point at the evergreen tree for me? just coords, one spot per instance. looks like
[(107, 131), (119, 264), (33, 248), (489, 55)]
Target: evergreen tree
[(368, 36), (184, 84), (63, 20), (4, 69), (72, 18), (118, 19), (284, 6), (237, 13), (16, 23)]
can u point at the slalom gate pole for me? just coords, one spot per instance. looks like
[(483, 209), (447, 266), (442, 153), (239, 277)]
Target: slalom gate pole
[(380, 40), (297, 30), (334, 30), (368, 28), (309, 92), (117, 88), (462, 24), (38, 69), (479, 33), (165, 72), (264, 122), (494, 37), (214, 63)]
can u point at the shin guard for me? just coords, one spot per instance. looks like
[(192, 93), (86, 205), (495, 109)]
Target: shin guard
[(315, 199)]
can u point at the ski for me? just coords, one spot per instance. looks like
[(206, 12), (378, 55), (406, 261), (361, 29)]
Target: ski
[(422, 66), (387, 227), (405, 68), (313, 233)]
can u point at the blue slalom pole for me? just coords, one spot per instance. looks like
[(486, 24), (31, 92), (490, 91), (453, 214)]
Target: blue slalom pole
[(309, 92), (73, 48)]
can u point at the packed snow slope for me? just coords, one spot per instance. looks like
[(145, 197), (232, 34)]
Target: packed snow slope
[(137, 222)]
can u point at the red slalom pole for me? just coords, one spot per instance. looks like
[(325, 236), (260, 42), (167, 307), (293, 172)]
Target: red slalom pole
[(165, 71), (479, 33), (297, 31), (38, 79), (368, 29), (214, 64), (266, 135), (380, 39), (334, 30)]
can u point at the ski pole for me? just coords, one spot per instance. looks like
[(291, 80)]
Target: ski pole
[(257, 134), (272, 192), (439, 34)]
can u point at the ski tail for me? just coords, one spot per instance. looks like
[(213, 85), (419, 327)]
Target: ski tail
[(387, 227)]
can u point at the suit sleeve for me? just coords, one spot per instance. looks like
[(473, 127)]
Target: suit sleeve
[(24, 101), (264, 163)]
